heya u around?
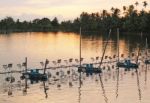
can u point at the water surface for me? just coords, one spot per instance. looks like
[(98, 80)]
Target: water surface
[(128, 87)]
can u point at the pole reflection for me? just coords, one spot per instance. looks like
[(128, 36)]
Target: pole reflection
[(45, 89), (103, 89), (146, 74), (138, 85), (117, 84)]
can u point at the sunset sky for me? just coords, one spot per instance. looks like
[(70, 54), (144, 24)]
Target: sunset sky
[(63, 9)]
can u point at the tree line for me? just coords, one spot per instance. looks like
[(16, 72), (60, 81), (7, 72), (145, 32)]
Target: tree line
[(128, 20), (9, 25)]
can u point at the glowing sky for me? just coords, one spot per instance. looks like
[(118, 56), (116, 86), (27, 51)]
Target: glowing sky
[(63, 9)]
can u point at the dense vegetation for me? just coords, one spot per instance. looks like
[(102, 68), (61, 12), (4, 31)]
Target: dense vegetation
[(128, 20)]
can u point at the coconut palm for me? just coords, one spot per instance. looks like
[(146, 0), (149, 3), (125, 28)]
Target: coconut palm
[(136, 3), (145, 4), (116, 12), (124, 10), (112, 9)]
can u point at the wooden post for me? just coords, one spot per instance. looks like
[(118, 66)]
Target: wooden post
[(105, 48), (80, 47), (26, 65), (46, 62), (146, 49), (118, 42), (26, 81)]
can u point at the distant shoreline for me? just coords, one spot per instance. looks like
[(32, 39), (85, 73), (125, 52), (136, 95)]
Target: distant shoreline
[(130, 19), (83, 32)]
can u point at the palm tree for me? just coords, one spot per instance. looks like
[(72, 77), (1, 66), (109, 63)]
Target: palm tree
[(145, 4), (116, 12), (124, 10), (112, 9), (131, 10), (104, 13), (136, 3)]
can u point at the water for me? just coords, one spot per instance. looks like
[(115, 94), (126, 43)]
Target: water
[(127, 87), (53, 46)]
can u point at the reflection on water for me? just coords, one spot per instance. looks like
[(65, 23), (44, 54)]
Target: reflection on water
[(53, 46), (79, 88), (138, 84), (131, 86), (66, 85), (103, 89), (145, 74), (117, 85)]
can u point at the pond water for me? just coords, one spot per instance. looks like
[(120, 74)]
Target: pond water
[(112, 86)]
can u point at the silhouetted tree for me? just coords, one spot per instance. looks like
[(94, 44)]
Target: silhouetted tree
[(131, 20), (145, 4), (55, 23)]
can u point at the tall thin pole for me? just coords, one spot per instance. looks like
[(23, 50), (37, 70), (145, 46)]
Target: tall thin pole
[(146, 48), (101, 82), (146, 60), (80, 58), (26, 81), (80, 47), (105, 48), (26, 61), (117, 85), (79, 88), (118, 43), (46, 62)]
